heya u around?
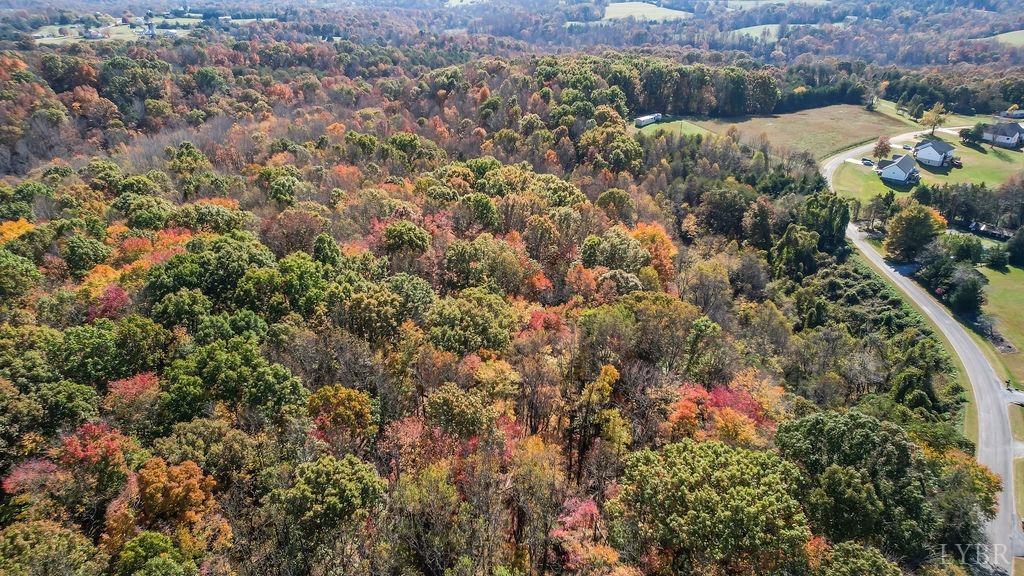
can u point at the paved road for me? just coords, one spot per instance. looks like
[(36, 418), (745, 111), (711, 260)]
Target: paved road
[(995, 441)]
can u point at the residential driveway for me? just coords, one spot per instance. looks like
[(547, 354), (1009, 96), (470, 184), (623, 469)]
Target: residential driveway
[(996, 446)]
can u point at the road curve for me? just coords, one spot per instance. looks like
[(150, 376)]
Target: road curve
[(995, 440)]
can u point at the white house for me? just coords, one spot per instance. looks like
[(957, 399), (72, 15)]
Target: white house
[(933, 152), (1005, 134), (642, 121), (901, 170)]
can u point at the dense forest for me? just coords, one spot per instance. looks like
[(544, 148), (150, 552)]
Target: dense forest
[(398, 302)]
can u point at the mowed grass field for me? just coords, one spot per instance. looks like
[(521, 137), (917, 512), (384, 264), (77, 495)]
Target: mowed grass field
[(982, 163), (888, 108), (766, 31), (1005, 303), (1015, 38), (677, 127), (820, 131), (642, 11)]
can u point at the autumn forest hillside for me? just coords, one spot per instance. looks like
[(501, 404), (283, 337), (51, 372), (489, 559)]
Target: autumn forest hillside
[(335, 293)]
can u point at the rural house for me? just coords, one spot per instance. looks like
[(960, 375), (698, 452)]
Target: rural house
[(934, 153), (1005, 134), (900, 170)]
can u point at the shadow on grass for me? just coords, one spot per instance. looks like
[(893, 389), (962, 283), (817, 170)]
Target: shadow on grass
[(940, 170), (975, 146), (1002, 154), (897, 187)]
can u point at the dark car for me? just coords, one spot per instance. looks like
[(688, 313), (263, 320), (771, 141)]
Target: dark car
[(867, 162)]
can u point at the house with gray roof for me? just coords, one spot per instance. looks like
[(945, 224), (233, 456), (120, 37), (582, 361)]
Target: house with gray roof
[(933, 152), (901, 169), (1005, 134)]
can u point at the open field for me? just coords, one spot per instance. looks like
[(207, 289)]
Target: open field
[(642, 11), (766, 31), (770, 32), (988, 164), (1005, 292), (677, 127), (1015, 38), (888, 107), (820, 131)]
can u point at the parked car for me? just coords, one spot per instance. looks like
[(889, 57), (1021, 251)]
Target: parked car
[(867, 162), (956, 162)]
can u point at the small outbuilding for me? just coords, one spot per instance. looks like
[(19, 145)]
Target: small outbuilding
[(647, 120)]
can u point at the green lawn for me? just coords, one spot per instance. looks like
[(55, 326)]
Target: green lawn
[(767, 31), (888, 107), (1005, 293), (1017, 421), (642, 11), (988, 164), (1018, 486), (1015, 38), (820, 131), (677, 127)]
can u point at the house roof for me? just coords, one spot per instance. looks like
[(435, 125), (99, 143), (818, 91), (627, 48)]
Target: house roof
[(904, 162), (1004, 129), (938, 145)]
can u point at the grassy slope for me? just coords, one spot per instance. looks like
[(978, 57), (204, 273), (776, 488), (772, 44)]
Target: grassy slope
[(642, 11), (677, 127), (1005, 292), (888, 108), (1015, 38), (820, 131), (1017, 422), (769, 31), (1018, 488)]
